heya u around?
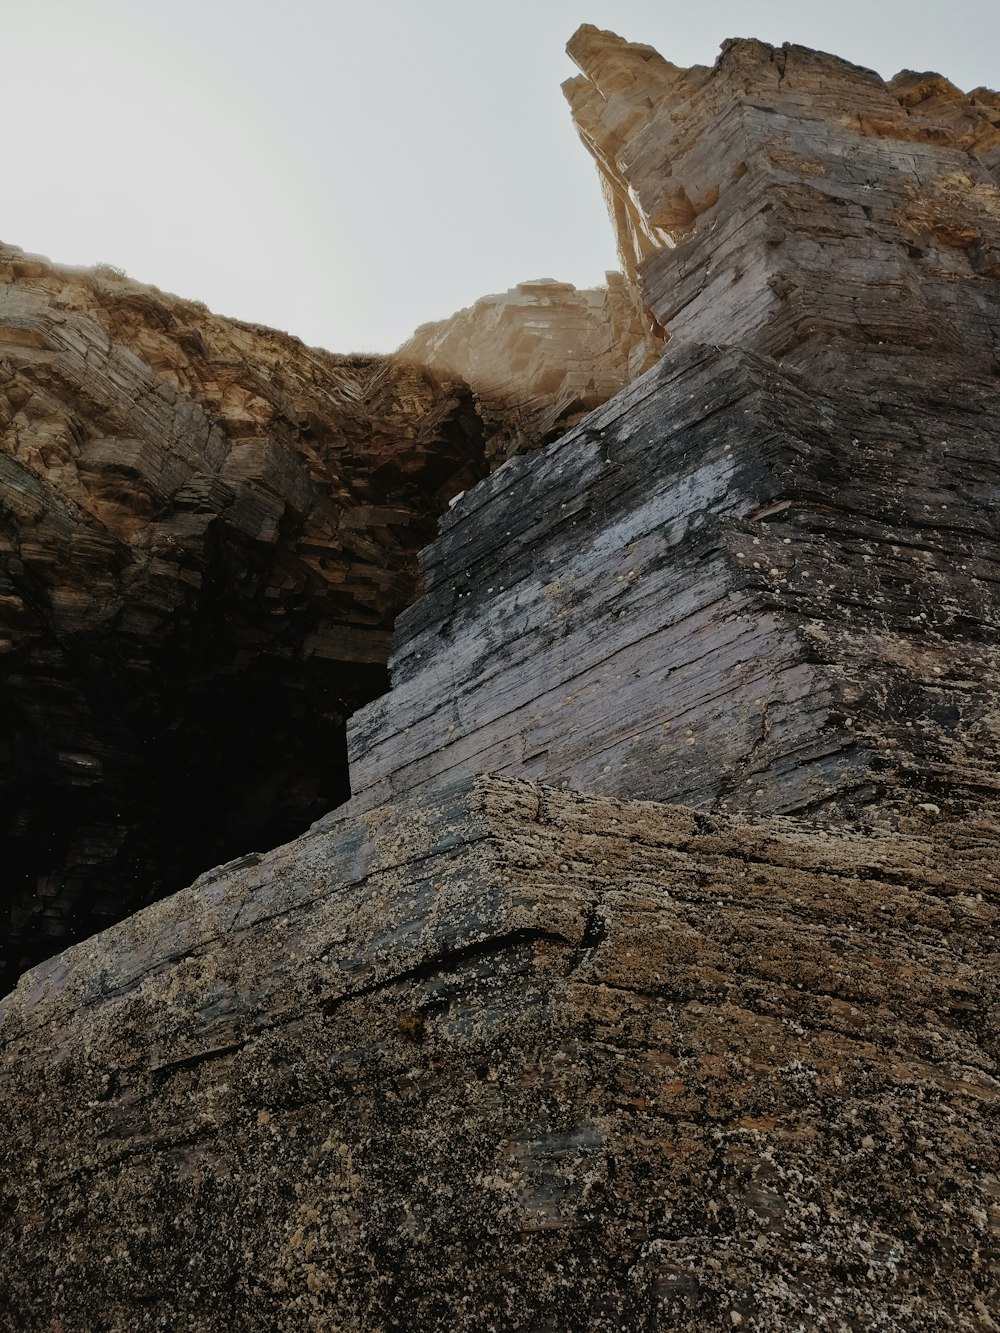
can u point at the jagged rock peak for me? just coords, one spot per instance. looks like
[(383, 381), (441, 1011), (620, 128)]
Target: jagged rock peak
[(539, 357), (793, 167)]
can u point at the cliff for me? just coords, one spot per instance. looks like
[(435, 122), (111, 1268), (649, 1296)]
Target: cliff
[(206, 530), (505, 1041), (763, 576)]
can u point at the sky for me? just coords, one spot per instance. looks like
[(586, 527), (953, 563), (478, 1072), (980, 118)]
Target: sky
[(348, 169)]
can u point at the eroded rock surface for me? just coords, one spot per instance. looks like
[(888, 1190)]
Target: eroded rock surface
[(541, 356), (764, 575), (206, 530), (790, 202), (722, 588), (511, 1058), (476, 1053)]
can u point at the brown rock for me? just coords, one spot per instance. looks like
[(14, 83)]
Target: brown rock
[(540, 357), (206, 530), (509, 1057), (482, 1053), (790, 202)]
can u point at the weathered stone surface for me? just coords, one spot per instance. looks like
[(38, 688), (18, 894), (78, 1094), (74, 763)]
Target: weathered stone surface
[(206, 530), (512, 1058), (478, 1053), (540, 357), (763, 575), (796, 204), (722, 588)]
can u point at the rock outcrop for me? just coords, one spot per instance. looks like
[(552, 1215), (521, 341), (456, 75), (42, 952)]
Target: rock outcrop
[(511, 1058), (206, 530), (540, 357), (479, 1052), (764, 575), (797, 205)]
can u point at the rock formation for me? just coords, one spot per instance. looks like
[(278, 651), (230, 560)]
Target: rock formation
[(206, 530), (480, 1052), (764, 575), (796, 205), (540, 357), (512, 1058)]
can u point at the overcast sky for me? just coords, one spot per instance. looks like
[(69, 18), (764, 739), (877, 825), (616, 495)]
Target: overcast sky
[(348, 169)]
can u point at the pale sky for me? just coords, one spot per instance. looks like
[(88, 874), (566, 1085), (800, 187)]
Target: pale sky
[(349, 169)]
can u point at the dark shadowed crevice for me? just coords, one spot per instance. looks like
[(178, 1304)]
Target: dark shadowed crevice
[(207, 531)]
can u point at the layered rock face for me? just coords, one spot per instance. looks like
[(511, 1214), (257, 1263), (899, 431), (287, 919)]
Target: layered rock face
[(206, 530), (794, 204), (478, 1052), (764, 575), (540, 357)]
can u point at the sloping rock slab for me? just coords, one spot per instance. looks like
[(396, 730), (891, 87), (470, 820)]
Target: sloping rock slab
[(506, 1057)]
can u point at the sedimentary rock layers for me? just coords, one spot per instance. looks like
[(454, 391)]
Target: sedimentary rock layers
[(722, 588), (206, 530), (791, 202), (510, 1058), (476, 1053), (540, 357), (761, 577)]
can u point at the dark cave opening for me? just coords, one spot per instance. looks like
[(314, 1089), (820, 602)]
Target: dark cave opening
[(177, 782)]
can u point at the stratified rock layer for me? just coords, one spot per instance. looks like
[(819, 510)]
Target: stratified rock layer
[(206, 530), (795, 204), (722, 588), (481, 1054), (540, 357), (765, 574), (510, 1058)]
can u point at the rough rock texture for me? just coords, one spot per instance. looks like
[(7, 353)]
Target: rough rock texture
[(793, 203), (206, 530), (765, 574), (683, 1072), (476, 1053), (723, 587), (540, 357)]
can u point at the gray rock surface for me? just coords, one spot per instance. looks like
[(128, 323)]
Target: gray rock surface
[(763, 575), (724, 588), (482, 1053)]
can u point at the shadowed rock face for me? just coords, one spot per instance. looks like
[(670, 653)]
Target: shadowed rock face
[(206, 530)]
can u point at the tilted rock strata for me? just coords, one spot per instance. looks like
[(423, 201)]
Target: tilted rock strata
[(722, 588), (539, 357), (511, 1058), (765, 574), (206, 530), (794, 203), (476, 1053)]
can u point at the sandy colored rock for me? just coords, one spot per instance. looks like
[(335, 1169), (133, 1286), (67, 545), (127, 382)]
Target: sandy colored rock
[(791, 202), (541, 356)]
